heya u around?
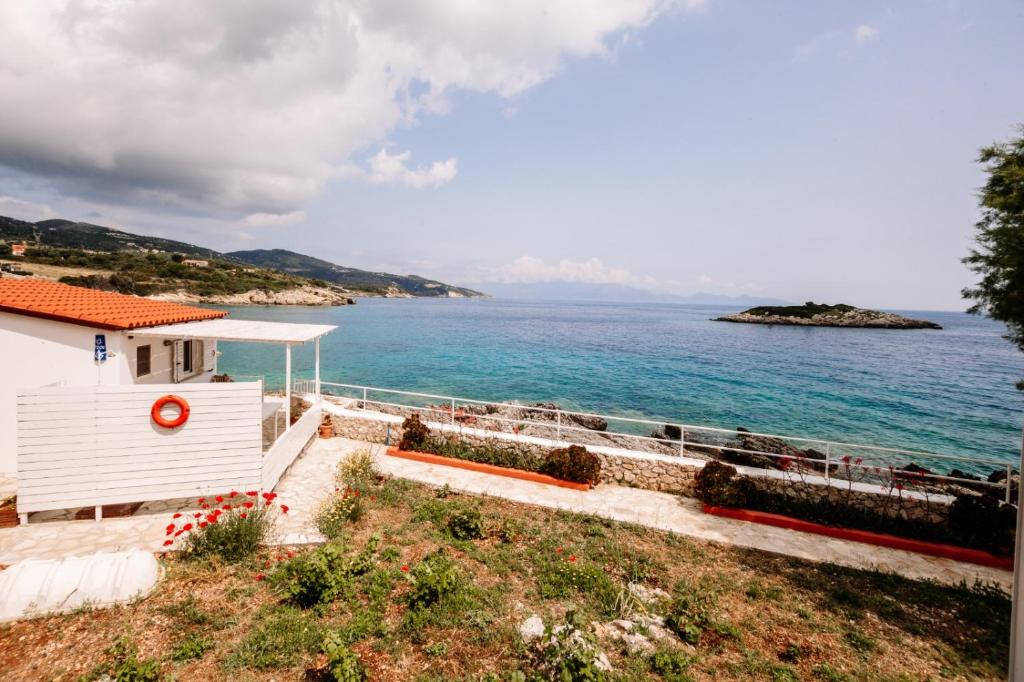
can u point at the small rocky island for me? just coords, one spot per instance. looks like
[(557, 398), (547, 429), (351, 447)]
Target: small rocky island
[(812, 314)]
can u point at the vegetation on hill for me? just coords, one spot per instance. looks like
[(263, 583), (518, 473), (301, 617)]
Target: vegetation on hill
[(429, 585), (350, 278), (999, 255), (824, 315), (138, 264)]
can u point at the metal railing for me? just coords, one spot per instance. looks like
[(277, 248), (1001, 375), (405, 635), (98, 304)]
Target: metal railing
[(849, 462)]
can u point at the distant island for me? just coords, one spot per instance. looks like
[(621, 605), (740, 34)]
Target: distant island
[(812, 314), (98, 257)]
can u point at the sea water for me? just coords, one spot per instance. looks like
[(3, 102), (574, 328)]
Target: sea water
[(949, 391)]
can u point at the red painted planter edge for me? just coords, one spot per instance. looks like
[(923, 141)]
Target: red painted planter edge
[(973, 556), (486, 468)]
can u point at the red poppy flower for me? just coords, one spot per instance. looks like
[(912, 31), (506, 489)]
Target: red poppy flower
[(177, 515), (201, 500), (260, 576), (233, 493), (247, 505), (170, 529), (572, 558), (168, 543), (227, 507), (203, 524), (219, 498), (187, 527), (243, 515), (197, 515), (205, 506), (291, 554), (252, 493), (178, 532), (405, 569), (284, 508), (559, 550)]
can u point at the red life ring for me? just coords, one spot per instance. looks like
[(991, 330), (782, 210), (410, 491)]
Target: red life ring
[(183, 411)]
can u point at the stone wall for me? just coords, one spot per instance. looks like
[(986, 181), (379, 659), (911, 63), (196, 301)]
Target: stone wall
[(636, 472)]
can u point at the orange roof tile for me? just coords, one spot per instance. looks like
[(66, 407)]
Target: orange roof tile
[(92, 308)]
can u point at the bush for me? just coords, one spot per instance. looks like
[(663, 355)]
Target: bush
[(325, 574), (573, 463), (691, 613), (342, 663), (495, 452), (336, 512), (357, 470), (128, 667), (982, 520), (414, 433), (716, 484), (231, 528), (434, 578), (465, 524), (670, 664), (568, 652)]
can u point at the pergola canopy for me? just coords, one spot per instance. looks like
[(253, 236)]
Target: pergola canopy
[(253, 331)]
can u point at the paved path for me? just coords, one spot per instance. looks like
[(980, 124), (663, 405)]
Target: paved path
[(310, 480)]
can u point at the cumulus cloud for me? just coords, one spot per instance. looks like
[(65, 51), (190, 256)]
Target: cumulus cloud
[(865, 33), (532, 269), (248, 107), (391, 168), (274, 219), (24, 210)]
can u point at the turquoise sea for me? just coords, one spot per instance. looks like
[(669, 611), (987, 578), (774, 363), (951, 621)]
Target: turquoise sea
[(949, 391)]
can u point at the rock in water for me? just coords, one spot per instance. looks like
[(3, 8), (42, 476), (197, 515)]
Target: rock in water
[(813, 314)]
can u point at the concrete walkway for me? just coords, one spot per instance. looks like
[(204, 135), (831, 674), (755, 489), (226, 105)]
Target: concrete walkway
[(310, 480)]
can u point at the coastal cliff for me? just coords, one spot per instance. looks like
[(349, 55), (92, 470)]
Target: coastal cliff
[(813, 314), (305, 295)]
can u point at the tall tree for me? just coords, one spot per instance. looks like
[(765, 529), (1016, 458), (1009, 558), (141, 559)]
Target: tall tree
[(999, 254)]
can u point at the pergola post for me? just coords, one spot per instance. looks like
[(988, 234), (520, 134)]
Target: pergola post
[(317, 367), (287, 386)]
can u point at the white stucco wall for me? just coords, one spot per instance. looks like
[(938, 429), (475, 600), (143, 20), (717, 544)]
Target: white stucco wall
[(36, 352)]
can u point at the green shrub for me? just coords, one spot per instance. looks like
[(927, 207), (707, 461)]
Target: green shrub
[(716, 484), (574, 463), (357, 471), (128, 667), (691, 613), (494, 452), (342, 663), (325, 574), (670, 664), (434, 578), (465, 524), (414, 433), (192, 647), (335, 513), (278, 639), (562, 576)]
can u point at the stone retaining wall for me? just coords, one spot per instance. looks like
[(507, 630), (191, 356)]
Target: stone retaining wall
[(636, 472)]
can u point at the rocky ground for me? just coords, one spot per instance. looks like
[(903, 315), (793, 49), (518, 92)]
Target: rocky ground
[(307, 295)]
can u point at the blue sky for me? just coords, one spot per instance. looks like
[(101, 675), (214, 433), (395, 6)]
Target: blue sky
[(796, 150)]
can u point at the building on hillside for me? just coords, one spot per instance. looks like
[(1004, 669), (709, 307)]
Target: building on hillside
[(18, 249)]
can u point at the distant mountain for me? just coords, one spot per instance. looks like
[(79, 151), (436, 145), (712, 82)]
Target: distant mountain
[(350, 278), (71, 235), (583, 291)]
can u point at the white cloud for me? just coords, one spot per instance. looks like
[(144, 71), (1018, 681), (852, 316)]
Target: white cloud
[(24, 210), (274, 219), (391, 168), (865, 33), (705, 279), (244, 107), (532, 269)]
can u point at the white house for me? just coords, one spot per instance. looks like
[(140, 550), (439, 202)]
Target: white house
[(81, 371)]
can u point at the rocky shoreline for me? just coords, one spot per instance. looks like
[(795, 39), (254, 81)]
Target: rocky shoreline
[(820, 315), (306, 295)]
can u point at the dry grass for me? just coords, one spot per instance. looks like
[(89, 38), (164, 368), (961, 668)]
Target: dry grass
[(779, 619)]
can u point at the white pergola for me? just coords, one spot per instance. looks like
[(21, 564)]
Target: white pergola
[(250, 331)]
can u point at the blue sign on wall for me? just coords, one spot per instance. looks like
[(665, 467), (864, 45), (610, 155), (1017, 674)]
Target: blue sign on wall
[(101, 347)]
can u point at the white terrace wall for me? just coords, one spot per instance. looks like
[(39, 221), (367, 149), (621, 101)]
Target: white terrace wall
[(96, 445)]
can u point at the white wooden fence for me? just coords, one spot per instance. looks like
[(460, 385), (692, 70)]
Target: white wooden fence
[(289, 445), (97, 445)]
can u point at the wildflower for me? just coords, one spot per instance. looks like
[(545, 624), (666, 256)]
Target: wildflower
[(899, 486), (278, 558), (252, 493), (205, 506), (187, 527), (247, 505), (405, 568), (168, 543), (290, 554), (201, 500), (558, 550), (845, 459), (243, 515), (259, 577), (219, 498), (178, 532), (170, 529), (858, 460), (226, 507), (197, 515), (177, 515), (284, 508), (233, 493), (572, 558), (203, 524)]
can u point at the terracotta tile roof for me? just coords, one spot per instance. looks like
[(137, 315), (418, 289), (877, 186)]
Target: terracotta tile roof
[(92, 308)]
